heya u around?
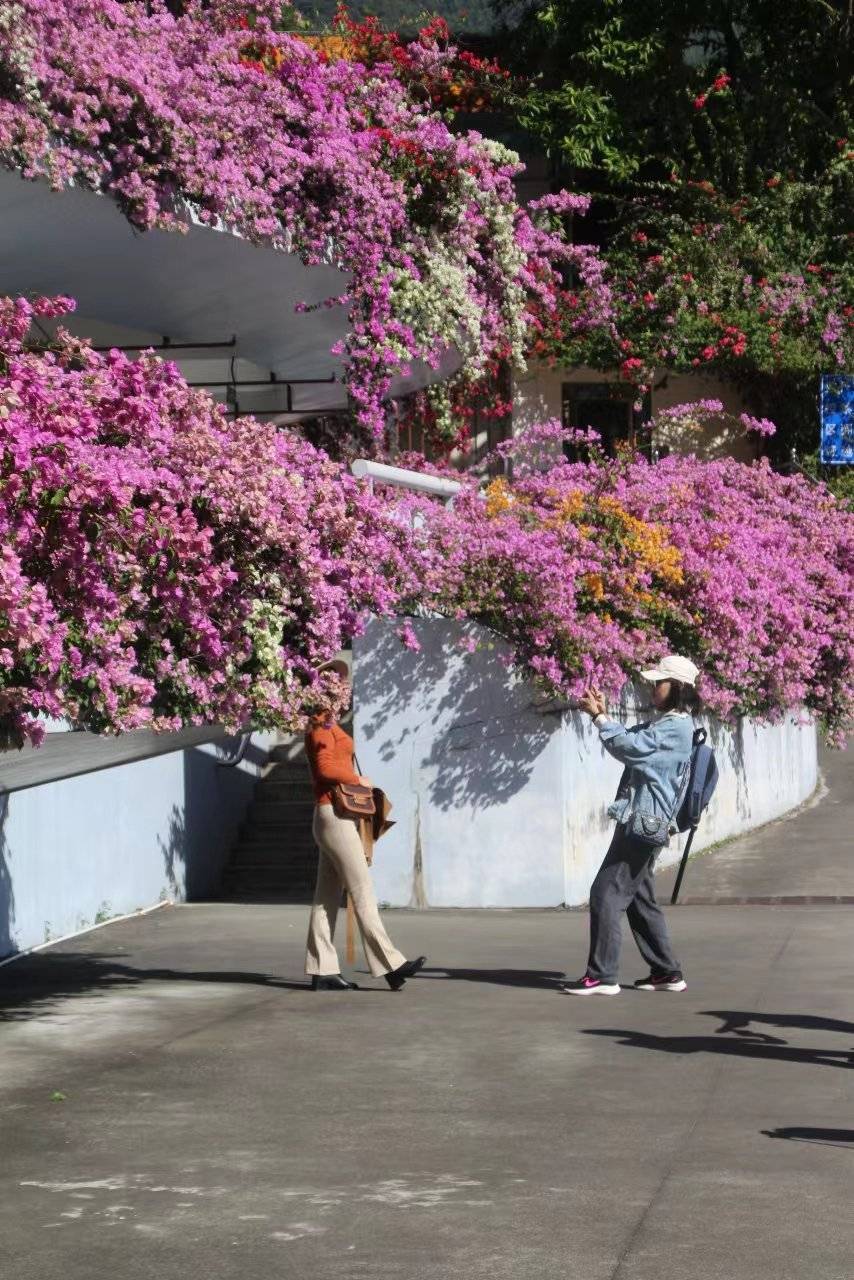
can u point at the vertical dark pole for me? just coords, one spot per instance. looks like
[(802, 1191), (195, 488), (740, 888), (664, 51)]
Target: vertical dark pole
[(682, 865)]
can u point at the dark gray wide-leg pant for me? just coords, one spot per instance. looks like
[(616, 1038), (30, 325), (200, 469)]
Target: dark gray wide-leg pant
[(624, 883)]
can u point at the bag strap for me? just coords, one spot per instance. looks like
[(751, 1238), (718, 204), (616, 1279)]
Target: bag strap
[(698, 739), (622, 785), (683, 787)]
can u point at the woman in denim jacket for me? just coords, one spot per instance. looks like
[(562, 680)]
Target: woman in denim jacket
[(656, 756)]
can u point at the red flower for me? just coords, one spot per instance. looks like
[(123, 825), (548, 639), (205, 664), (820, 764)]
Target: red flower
[(773, 182), (721, 83), (699, 102)]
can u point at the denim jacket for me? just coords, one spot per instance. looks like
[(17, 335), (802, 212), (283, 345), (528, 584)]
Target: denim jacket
[(656, 754)]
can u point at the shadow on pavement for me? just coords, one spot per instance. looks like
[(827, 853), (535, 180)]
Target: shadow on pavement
[(737, 1023), (39, 982), (821, 1137), (543, 978), (748, 1044)]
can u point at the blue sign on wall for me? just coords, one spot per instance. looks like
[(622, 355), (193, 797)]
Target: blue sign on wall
[(837, 418)]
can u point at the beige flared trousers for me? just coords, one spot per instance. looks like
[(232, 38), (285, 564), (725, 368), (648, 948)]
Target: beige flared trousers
[(342, 866)]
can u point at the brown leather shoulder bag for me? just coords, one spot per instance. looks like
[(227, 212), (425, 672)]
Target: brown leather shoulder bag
[(353, 800)]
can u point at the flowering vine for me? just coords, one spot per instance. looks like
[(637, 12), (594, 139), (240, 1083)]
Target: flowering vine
[(159, 564), (162, 565), (699, 283), (331, 158)]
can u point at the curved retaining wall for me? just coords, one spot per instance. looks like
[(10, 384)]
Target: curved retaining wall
[(83, 849), (500, 805)]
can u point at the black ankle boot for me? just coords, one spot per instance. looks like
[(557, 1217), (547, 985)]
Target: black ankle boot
[(332, 982), (408, 969), (411, 967)]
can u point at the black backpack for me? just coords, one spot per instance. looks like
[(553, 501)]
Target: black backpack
[(702, 780)]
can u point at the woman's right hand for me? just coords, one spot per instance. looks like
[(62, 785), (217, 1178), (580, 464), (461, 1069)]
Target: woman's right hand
[(592, 702)]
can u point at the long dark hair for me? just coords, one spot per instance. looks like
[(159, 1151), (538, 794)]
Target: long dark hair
[(682, 697)]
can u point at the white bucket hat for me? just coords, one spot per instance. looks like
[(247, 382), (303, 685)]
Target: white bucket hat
[(673, 667)]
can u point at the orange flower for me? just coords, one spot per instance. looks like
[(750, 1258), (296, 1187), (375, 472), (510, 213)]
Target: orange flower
[(594, 585)]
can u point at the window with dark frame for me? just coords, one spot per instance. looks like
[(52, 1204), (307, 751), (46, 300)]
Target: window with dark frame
[(607, 407)]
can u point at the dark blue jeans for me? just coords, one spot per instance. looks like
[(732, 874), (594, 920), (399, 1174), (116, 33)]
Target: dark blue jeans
[(624, 883)]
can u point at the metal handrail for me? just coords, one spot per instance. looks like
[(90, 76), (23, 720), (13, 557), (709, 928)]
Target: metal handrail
[(793, 462), (237, 755), (399, 478)]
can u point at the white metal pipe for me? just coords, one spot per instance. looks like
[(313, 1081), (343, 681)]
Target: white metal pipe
[(399, 478)]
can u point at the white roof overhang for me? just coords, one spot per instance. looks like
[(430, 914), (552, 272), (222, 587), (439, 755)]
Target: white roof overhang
[(204, 285)]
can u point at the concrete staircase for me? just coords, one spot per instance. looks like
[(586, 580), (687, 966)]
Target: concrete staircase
[(275, 857)]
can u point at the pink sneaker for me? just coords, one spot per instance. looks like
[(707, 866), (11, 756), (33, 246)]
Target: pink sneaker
[(590, 987)]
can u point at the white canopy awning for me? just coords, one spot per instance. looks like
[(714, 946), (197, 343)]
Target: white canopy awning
[(202, 286)]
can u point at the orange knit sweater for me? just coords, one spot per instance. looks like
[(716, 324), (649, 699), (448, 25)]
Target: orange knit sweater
[(330, 758)]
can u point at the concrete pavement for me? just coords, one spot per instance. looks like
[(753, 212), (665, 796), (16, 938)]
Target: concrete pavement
[(808, 853), (176, 1104)]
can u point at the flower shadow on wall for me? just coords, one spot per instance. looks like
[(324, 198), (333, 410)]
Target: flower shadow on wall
[(465, 725), (173, 849), (7, 893)]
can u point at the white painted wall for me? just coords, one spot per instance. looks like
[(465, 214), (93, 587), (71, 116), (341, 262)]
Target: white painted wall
[(108, 843), (498, 805), (537, 397)]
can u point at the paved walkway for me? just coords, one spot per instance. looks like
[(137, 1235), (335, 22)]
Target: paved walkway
[(217, 1120), (810, 853)]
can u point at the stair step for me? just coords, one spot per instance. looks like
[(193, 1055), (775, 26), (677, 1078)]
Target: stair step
[(243, 860), (282, 841), (283, 833), (299, 788), (271, 884), (272, 809), (287, 769), (250, 856), (287, 897), (280, 835), (247, 875), (283, 830), (284, 754), (296, 868)]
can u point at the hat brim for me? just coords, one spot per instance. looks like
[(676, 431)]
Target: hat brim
[(338, 665), (652, 676)]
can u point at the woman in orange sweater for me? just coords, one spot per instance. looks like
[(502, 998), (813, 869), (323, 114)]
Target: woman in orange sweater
[(342, 866)]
